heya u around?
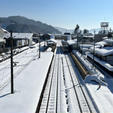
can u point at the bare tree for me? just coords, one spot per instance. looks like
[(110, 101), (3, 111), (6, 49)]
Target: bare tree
[(85, 31), (76, 29)]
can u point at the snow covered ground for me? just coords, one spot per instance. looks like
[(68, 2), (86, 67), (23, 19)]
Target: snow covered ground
[(103, 96), (30, 73), (6, 55)]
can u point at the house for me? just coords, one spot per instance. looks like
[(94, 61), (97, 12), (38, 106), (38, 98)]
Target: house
[(36, 37), (19, 39), (2, 41)]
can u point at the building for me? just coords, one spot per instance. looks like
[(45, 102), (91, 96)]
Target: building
[(36, 37), (103, 53), (19, 39), (2, 40)]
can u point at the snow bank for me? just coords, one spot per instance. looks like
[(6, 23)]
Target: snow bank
[(96, 74), (49, 49), (96, 78)]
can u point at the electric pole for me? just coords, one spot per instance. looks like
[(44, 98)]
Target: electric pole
[(12, 79), (39, 45), (94, 50)]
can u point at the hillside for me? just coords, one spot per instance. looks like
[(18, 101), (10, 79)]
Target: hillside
[(23, 24)]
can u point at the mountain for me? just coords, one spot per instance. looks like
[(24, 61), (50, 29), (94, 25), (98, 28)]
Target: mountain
[(23, 24), (63, 30)]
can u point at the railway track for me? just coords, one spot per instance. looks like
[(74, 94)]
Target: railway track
[(75, 98), (74, 88), (49, 101)]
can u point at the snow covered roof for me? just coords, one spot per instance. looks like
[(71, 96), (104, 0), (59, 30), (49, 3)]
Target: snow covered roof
[(101, 49), (71, 42), (88, 36), (105, 42), (5, 31), (2, 40), (109, 40), (2, 31), (104, 51), (101, 43), (20, 35), (53, 40)]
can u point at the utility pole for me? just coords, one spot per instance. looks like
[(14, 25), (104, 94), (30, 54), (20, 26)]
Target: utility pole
[(39, 45), (12, 79), (94, 50), (82, 46), (77, 41)]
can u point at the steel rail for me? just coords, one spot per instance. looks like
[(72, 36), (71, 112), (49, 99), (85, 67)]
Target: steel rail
[(77, 96)]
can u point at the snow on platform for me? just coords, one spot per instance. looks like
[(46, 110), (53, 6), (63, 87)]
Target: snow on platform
[(100, 88), (28, 85), (103, 96)]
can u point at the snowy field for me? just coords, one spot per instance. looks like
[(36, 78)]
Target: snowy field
[(29, 73)]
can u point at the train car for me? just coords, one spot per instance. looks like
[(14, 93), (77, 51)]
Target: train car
[(51, 42), (65, 46)]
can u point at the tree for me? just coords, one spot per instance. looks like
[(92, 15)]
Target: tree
[(85, 31), (109, 35), (76, 29)]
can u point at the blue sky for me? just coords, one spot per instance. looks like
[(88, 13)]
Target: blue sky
[(61, 13)]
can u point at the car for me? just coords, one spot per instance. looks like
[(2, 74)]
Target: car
[(51, 43)]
